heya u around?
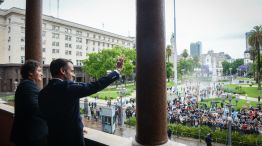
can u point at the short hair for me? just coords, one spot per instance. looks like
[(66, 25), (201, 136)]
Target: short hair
[(29, 67), (57, 64)]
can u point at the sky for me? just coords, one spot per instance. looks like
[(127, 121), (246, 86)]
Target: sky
[(219, 24)]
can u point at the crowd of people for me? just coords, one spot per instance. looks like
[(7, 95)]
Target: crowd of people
[(186, 109)]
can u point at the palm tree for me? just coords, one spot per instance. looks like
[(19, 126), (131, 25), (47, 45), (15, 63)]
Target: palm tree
[(168, 52), (253, 54), (255, 40)]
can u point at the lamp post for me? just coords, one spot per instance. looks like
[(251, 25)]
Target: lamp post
[(229, 119), (122, 92)]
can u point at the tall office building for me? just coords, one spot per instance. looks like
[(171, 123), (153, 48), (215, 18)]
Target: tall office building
[(196, 49), (60, 39)]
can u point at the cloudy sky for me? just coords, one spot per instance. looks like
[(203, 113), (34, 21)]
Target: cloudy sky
[(219, 24)]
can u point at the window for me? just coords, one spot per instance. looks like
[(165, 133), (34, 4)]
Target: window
[(78, 53), (44, 42), (55, 35), (9, 20), (55, 43), (68, 38), (94, 36), (94, 43), (9, 39), (86, 41), (55, 27), (78, 62), (22, 48), (78, 39), (22, 59), (9, 29), (43, 49), (68, 30), (67, 45), (87, 34), (67, 52), (22, 39), (98, 43), (9, 47), (55, 51), (78, 32), (99, 37)]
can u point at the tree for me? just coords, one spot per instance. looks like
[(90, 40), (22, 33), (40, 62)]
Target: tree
[(255, 40), (226, 65), (169, 71), (168, 52), (236, 64), (253, 54), (185, 54), (97, 64)]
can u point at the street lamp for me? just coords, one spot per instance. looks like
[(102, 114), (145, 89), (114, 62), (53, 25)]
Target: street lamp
[(121, 92), (229, 118)]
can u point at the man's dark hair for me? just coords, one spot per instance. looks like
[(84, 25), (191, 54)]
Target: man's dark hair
[(29, 67), (57, 64)]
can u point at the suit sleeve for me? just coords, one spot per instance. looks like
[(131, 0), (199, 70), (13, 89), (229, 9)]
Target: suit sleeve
[(30, 93), (79, 89)]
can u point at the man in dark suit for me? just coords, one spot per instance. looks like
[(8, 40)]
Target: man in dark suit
[(29, 129), (59, 102)]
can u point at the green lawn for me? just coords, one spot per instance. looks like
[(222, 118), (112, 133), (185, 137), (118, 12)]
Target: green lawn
[(240, 104), (250, 91), (169, 84), (8, 98), (243, 78)]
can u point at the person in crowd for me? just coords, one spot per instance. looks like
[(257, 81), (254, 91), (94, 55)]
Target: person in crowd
[(59, 102), (208, 140), (29, 129)]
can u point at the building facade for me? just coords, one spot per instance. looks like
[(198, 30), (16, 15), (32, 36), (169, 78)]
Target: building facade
[(196, 49), (60, 39), (247, 58), (214, 62)]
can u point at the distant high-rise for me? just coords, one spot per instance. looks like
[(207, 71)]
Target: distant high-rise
[(196, 49)]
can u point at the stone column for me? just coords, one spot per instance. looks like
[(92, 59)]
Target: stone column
[(33, 31), (151, 74)]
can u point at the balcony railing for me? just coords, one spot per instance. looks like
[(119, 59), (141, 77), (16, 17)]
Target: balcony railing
[(92, 137)]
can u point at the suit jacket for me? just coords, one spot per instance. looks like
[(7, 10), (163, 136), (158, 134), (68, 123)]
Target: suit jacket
[(59, 104), (28, 125)]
